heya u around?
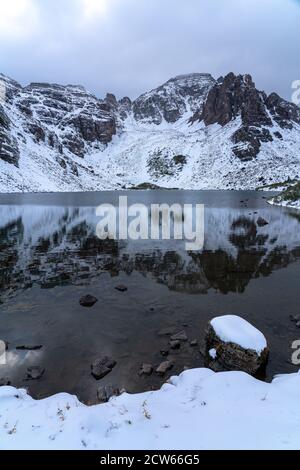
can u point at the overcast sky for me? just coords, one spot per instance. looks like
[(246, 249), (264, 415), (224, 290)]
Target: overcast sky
[(129, 46)]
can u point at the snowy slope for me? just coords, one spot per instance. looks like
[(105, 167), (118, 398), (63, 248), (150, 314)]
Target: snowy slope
[(198, 410), (56, 138)]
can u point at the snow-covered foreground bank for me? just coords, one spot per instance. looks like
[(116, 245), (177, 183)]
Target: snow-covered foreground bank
[(199, 409)]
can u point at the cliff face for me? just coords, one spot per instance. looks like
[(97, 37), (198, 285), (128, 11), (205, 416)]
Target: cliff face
[(236, 96)]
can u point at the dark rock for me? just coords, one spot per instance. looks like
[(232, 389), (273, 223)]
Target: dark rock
[(164, 352), (233, 96), (175, 344), (295, 318), (29, 348), (88, 301), (4, 382), (146, 369), (164, 367), (278, 135), (262, 222), (121, 288), (35, 373), (283, 112), (248, 141), (102, 366), (194, 342), (105, 393), (37, 131)]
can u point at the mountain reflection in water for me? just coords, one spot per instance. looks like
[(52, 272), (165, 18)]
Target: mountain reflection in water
[(50, 256)]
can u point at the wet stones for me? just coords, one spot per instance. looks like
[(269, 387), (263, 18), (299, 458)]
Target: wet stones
[(164, 367), (102, 367), (121, 288), (88, 301), (35, 373)]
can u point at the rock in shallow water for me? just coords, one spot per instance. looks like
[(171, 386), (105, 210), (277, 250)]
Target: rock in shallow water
[(122, 288), (88, 301), (35, 373), (181, 336), (146, 369), (102, 367), (237, 344), (164, 367)]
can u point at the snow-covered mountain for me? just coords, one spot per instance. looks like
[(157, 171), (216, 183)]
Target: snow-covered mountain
[(193, 132)]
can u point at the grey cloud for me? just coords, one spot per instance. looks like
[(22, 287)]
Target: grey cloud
[(138, 44)]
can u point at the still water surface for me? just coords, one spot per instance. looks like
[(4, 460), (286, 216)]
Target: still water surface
[(50, 257)]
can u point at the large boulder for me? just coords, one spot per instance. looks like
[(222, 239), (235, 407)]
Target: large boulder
[(232, 343)]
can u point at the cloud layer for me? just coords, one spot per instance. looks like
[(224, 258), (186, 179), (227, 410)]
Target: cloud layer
[(129, 46)]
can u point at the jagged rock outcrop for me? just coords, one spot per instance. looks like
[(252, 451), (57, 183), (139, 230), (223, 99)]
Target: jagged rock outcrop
[(283, 112), (237, 97)]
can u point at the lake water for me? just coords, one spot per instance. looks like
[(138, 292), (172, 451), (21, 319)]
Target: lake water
[(50, 257)]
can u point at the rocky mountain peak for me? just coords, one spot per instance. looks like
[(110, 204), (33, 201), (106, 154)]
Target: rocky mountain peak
[(236, 96), (173, 99)]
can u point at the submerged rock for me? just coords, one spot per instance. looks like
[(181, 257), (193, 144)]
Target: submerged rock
[(234, 344), (175, 344), (122, 288), (261, 222), (29, 348), (102, 367), (146, 369), (35, 373), (164, 367), (181, 336), (88, 301)]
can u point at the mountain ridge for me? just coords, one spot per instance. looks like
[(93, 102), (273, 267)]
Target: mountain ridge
[(192, 132)]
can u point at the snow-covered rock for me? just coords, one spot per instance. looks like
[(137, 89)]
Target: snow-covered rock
[(238, 345), (198, 410)]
